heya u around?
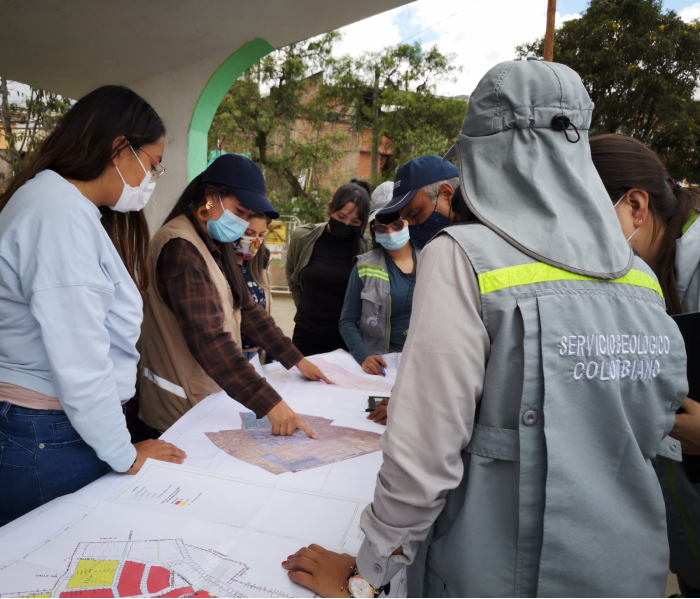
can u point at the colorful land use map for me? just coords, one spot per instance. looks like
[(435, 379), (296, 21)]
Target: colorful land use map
[(339, 375), (158, 568), (256, 444)]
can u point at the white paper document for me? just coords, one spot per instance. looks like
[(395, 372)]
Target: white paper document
[(217, 526), (176, 531), (114, 550)]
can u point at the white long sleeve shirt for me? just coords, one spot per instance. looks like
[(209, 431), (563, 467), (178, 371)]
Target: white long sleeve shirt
[(70, 314)]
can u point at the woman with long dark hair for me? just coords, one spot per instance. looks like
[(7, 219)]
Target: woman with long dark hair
[(253, 258), (659, 219), (319, 263), (199, 305), (73, 266)]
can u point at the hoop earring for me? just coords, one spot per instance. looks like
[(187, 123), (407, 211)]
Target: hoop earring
[(204, 213)]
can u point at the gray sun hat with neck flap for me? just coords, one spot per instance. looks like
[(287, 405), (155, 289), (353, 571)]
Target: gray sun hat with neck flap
[(526, 172)]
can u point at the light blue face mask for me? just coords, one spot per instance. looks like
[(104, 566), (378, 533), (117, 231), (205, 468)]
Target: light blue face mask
[(228, 228), (394, 240)]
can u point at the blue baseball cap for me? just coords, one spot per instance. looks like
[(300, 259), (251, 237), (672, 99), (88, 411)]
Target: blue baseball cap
[(244, 178), (415, 174)]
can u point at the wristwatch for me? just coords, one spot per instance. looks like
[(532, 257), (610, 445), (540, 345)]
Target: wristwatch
[(359, 587)]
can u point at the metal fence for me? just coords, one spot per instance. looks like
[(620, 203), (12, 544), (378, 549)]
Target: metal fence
[(279, 234)]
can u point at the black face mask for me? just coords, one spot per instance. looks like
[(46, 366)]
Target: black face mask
[(342, 231)]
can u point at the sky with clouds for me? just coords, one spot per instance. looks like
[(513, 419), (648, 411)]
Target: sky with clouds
[(481, 33)]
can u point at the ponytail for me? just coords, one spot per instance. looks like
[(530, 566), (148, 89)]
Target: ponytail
[(624, 163)]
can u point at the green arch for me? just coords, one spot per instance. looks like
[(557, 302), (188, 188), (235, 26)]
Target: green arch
[(210, 99)]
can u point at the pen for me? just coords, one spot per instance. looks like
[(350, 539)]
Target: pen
[(383, 370)]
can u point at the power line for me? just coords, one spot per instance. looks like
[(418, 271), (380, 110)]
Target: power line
[(440, 21)]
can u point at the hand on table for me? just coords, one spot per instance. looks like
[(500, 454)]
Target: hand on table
[(156, 450), (379, 415), (285, 421), (373, 364), (323, 572), (312, 372), (687, 427)]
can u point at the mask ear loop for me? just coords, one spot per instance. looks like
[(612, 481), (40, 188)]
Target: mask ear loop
[(615, 206)]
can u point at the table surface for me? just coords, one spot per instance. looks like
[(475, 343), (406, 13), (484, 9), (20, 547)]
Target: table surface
[(289, 495)]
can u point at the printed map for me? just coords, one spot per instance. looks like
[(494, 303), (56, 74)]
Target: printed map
[(157, 568), (339, 375), (256, 444)]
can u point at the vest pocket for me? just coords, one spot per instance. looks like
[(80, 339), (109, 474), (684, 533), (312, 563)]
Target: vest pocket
[(373, 314), (497, 443)]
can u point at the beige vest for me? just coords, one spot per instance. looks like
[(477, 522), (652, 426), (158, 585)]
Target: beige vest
[(171, 380)]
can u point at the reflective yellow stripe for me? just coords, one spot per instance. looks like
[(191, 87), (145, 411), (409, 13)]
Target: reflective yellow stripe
[(527, 274), (364, 271), (373, 273), (690, 221)]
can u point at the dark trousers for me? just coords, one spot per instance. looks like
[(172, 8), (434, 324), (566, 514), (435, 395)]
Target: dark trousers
[(310, 344), (41, 457)]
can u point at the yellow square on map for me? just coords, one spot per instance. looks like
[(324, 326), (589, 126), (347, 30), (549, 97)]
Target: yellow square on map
[(93, 573)]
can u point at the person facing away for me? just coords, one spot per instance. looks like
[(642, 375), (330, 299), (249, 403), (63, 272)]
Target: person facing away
[(538, 383), (199, 305), (659, 218), (423, 190), (72, 270), (319, 262), (253, 258)]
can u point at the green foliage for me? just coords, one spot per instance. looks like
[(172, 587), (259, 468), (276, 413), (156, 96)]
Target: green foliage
[(282, 129), (296, 110), (420, 123), (392, 92), (25, 125), (640, 66)]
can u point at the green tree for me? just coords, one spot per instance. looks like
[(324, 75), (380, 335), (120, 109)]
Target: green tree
[(393, 93), (277, 113), (640, 66), (295, 109), (26, 124)]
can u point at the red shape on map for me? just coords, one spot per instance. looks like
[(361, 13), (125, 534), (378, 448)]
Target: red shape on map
[(130, 579), (89, 593), (158, 579), (203, 594)]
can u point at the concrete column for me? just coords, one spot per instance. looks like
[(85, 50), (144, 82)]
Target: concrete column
[(187, 99)]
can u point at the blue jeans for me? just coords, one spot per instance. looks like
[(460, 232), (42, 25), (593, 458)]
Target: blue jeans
[(41, 457)]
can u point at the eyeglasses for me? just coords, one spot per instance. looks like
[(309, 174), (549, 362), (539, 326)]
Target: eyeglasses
[(159, 169), (382, 229)]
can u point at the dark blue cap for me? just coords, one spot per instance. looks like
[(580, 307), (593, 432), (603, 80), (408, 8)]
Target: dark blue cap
[(245, 179), (415, 174)]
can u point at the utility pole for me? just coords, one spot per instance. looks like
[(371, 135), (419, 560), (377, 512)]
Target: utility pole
[(549, 34), (374, 156)]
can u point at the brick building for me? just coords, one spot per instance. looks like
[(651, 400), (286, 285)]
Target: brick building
[(356, 150)]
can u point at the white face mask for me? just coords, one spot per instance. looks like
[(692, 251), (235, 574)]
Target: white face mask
[(134, 199), (637, 229)]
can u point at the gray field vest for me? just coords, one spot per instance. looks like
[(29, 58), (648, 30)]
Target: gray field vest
[(559, 497), (375, 318)]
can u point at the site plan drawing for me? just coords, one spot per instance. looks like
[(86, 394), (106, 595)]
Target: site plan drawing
[(121, 551), (256, 444), (336, 373), (162, 568)]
